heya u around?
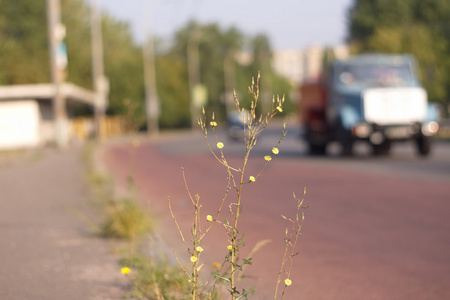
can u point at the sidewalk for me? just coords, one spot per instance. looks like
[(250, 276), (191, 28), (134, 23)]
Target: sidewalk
[(46, 251)]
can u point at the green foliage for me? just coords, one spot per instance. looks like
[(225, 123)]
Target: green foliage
[(173, 91), (153, 280), (123, 67), (215, 46), (430, 52), (125, 219), (419, 27), (23, 32), (75, 16)]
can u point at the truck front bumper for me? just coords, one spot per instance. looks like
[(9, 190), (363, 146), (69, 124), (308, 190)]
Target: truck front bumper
[(377, 134)]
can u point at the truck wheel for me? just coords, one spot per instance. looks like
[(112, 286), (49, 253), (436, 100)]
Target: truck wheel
[(347, 148), (343, 136), (424, 145), (315, 149)]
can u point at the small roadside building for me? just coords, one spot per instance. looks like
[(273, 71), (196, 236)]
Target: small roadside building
[(28, 117)]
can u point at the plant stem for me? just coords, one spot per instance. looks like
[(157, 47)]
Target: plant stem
[(235, 225)]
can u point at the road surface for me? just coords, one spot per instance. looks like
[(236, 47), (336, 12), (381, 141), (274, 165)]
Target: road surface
[(375, 228)]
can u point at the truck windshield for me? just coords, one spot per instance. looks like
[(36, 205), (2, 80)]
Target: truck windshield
[(358, 75)]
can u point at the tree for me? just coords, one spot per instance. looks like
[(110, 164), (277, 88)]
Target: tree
[(124, 69), (23, 42), (24, 50), (173, 91), (219, 47), (214, 46), (419, 27), (23, 31), (75, 15)]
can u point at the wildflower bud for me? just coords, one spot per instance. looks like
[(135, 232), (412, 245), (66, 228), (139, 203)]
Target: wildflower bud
[(229, 247), (279, 108), (125, 270), (213, 124)]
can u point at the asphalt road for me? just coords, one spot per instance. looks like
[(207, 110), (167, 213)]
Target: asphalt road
[(375, 228)]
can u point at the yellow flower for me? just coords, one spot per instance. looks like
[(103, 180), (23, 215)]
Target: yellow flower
[(217, 265), (279, 108), (229, 247), (287, 282), (275, 150), (125, 270), (220, 145), (209, 218), (199, 249), (267, 157), (213, 124), (252, 178), (193, 258)]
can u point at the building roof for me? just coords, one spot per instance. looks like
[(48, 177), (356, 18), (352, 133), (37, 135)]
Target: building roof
[(70, 91)]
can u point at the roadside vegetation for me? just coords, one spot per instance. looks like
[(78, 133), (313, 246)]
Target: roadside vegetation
[(124, 219), (153, 276)]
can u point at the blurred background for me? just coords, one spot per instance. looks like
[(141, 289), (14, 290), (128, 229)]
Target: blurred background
[(378, 227), (152, 64)]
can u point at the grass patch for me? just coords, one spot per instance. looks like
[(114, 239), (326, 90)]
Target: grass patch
[(125, 219), (151, 280)]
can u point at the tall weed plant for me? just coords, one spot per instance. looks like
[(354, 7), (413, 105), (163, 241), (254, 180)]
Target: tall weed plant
[(223, 282), (231, 268)]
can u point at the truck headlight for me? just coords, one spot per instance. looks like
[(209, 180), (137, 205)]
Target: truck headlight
[(429, 129), (362, 130)]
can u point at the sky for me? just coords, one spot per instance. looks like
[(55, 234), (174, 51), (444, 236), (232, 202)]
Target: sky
[(289, 24)]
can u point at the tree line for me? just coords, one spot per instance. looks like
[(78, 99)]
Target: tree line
[(24, 60), (420, 27)]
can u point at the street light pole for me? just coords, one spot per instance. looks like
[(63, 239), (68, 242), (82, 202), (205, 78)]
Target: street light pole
[(194, 75), (151, 94), (229, 81), (56, 33), (100, 82)]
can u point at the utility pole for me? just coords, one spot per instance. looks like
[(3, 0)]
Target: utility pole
[(100, 82), (56, 34), (229, 77), (151, 94), (194, 75)]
